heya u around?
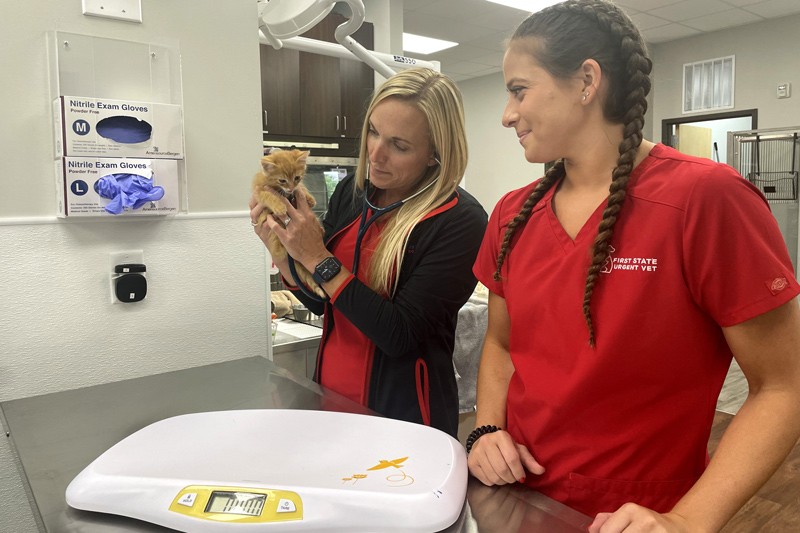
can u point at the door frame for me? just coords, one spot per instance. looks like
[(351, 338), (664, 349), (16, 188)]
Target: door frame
[(668, 123)]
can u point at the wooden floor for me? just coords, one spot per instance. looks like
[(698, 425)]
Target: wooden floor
[(776, 507), (734, 391)]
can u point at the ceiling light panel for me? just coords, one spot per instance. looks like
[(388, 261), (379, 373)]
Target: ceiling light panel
[(424, 45)]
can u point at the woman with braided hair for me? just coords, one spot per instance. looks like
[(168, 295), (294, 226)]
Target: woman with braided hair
[(622, 284)]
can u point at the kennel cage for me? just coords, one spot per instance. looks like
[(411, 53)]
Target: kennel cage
[(770, 160)]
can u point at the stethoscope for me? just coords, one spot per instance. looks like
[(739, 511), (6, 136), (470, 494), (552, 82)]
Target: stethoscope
[(363, 226)]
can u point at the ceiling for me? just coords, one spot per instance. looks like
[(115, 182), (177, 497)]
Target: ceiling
[(480, 26)]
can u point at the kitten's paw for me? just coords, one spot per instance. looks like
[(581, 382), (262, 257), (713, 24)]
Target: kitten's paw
[(319, 292), (262, 217)]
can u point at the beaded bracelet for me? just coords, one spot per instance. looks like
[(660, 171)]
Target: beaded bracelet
[(478, 433)]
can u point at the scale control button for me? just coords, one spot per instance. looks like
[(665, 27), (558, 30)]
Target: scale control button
[(286, 506), (188, 499)]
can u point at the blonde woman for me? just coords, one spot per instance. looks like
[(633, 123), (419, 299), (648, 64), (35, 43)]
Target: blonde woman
[(413, 235)]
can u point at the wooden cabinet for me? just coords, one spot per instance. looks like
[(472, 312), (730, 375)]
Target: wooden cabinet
[(280, 90), (312, 95)]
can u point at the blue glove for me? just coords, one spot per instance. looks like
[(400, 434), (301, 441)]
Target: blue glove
[(127, 190), (124, 129)]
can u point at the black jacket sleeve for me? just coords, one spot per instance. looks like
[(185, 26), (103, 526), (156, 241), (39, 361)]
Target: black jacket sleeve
[(430, 295)]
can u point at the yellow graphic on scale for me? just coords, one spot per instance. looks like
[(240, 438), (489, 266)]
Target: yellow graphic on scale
[(396, 479), (386, 464), (355, 477)]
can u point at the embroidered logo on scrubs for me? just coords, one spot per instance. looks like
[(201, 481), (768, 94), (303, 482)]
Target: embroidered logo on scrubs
[(776, 285), (609, 264), (410, 249), (633, 264)]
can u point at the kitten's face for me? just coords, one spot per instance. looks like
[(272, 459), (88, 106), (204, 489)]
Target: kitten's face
[(284, 169)]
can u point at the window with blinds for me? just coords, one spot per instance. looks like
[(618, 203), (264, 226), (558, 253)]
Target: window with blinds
[(708, 84)]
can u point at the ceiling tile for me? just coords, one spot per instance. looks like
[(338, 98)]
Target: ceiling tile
[(500, 18), (456, 9), (463, 52), (457, 77), (645, 5), (482, 27), (670, 32), (740, 3), (464, 67), (689, 9), (450, 30), (494, 59), (494, 42), (493, 70), (726, 19), (645, 22), (774, 8)]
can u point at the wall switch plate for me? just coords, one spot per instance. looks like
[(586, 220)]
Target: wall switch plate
[(130, 10), (784, 90), (121, 258)]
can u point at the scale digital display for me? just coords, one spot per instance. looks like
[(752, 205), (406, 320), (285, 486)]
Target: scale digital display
[(244, 503)]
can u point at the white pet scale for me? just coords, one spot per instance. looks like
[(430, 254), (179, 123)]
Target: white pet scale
[(279, 470)]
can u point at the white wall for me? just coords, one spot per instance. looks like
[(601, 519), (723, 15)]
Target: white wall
[(206, 271), (387, 17), (497, 162), (766, 55)]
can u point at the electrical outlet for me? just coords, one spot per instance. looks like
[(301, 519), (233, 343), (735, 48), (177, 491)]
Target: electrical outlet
[(121, 258), (130, 10)]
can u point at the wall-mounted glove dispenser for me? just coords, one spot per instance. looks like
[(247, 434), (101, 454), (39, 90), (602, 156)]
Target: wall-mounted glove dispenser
[(118, 126)]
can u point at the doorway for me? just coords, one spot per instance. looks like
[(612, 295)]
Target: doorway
[(706, 135)]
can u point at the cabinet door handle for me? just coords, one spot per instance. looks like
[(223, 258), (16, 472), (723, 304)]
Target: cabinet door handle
[(266, 119), (337, 122), (345, 123)]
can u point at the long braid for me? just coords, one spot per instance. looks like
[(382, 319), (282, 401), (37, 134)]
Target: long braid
[(555, 173), (637, 68), (628, 69)]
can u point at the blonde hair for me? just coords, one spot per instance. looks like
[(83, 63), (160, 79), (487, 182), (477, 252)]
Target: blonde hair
[(439, 99)]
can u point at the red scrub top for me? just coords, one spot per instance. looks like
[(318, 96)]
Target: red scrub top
[(347, 355), (695, 248)]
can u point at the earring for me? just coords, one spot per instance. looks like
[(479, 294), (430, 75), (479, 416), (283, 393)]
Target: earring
[(585, 95)]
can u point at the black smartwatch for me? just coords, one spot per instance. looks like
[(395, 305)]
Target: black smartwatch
[(326, 270)]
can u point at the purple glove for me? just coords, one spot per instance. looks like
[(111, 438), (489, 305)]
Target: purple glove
[(127, 190)]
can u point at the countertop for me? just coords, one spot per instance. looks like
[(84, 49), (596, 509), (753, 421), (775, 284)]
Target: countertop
[(55, 436), (290, 331)]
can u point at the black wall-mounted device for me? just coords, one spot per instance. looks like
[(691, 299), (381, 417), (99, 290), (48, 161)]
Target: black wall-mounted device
[(130, 286)]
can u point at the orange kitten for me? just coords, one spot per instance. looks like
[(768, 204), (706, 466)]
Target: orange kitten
[(283, 171)]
